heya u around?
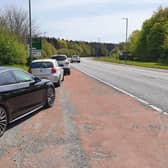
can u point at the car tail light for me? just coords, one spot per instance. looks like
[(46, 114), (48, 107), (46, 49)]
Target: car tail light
[(30, 71), (53, 70)]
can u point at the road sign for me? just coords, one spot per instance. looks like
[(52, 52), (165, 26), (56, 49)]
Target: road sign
[(36, 53), (36, 43), (36, 47)]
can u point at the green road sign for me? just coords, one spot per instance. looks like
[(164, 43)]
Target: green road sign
[(36, 43), (36, 47)]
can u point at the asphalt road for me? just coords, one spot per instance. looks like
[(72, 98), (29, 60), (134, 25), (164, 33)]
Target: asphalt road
[(150, 85)]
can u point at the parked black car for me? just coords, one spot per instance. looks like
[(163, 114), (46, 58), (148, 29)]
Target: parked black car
[(22, 93)]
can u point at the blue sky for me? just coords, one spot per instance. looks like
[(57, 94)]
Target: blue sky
[(88, 20)]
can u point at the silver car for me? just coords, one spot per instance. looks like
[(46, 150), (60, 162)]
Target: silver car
[(47, 69), (75, 58), (63, 62)]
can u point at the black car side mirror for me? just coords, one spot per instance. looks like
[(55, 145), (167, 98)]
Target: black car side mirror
[(36, 79)]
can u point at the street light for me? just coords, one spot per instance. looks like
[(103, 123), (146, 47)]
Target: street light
[(126, 39), (30, 33)]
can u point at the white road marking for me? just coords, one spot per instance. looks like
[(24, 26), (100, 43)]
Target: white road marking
[(125, 92)]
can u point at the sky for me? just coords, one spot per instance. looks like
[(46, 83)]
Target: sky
[(89, 20)]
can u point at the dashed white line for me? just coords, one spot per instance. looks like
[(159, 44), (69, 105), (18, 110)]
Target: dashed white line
[(125, 92)]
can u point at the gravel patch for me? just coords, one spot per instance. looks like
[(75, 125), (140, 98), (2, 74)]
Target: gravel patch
[(74, 153)]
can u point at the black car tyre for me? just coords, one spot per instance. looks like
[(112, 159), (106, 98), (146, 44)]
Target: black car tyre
[(3, 120), (50, 97)]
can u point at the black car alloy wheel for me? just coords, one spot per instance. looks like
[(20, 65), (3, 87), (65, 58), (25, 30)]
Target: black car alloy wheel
[(3, 120), (50, 97)]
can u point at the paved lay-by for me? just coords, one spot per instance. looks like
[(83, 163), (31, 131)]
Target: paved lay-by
[(149, 85), (90, 126)]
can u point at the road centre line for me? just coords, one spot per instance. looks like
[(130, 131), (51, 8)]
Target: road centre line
[(125, 92)]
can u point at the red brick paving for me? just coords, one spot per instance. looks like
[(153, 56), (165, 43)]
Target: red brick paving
[(116, 131)]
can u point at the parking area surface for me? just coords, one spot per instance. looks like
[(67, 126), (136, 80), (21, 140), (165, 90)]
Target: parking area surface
[(90, 126)]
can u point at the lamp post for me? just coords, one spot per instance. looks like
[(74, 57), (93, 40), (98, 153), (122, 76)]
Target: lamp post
[(30, 33), (126, 38)]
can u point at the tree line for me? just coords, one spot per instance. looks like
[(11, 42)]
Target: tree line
[(151, 42), (81, 48), (148, 44), (14, 37)]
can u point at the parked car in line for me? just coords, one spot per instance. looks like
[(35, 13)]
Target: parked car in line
[(75, 58), (47, 69), (63, 62), (22, 93)]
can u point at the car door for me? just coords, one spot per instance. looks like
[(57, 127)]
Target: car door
[(33, 92), (15, 95)]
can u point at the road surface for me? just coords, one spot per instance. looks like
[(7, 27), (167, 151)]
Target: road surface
[(149, 85)]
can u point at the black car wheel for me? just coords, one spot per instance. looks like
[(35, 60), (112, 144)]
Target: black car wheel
[(50, 97), (3, 120)]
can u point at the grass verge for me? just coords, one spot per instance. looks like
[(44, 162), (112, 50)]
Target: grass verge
[(134, 63), (24, 67)]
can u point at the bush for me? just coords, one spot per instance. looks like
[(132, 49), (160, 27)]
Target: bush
[(12, 51), (47, 49)]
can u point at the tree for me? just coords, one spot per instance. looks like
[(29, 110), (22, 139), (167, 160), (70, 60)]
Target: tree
[(47, 49), (17, 21), (61, 44), (115, 52), (64, 51), (12, 51), (155, 40), (103, 50), (164, 56), (133, 43), (150, 44), (77, 49), (86, 49)]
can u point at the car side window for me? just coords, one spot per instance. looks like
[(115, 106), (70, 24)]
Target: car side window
[(22, 76), (6, 78)]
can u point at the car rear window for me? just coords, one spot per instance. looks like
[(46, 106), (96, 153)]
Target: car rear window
[(59, 58), (41, 65), (36, 65)]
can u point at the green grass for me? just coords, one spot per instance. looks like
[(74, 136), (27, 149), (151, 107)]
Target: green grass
[(134, 63), (24, 67)]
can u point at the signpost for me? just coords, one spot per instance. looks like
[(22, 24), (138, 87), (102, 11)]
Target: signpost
[(36, 47)]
